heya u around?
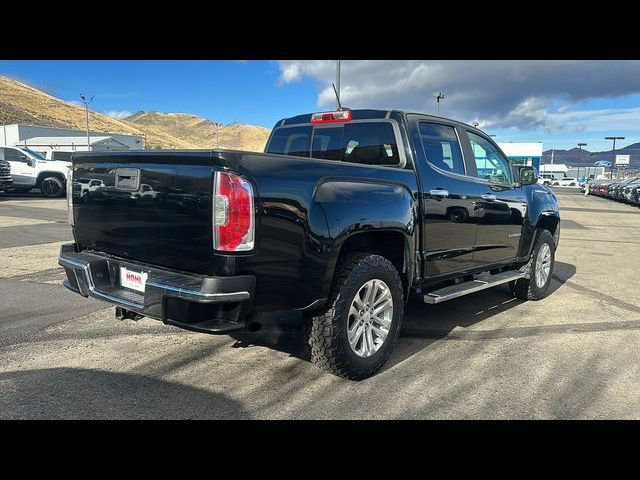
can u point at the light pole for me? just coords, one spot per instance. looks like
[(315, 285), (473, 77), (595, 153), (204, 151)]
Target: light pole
[(580, 145), (86, 109), (438, 96), (614, 151)]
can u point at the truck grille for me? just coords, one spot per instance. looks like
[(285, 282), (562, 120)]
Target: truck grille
[(5, 172)]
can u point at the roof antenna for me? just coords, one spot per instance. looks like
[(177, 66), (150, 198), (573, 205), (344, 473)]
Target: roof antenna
[(337, 97)]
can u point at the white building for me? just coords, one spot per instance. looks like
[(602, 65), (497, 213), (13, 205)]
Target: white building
[(560, 170), (525, 153), (44, 139)]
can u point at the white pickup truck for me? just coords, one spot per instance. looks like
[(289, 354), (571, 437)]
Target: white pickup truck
[(30, 169)]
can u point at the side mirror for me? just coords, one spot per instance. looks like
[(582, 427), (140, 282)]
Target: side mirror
[(527, 176), (27, 160)]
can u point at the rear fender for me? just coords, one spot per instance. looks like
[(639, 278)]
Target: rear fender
[(542, 214), (368, 207)]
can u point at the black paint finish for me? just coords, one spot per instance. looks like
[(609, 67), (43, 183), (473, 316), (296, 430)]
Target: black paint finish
[(305, 211)]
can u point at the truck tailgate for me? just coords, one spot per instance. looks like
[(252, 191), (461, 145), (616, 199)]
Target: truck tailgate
[(152, 207)]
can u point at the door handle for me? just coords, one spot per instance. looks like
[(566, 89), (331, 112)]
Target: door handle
[(439, 193), (488, 197)]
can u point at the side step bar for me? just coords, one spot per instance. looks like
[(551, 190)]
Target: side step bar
[(481, 282)]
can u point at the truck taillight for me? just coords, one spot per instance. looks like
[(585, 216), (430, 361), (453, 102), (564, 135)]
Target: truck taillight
[(331, 117), (233, 222), (70, 195)]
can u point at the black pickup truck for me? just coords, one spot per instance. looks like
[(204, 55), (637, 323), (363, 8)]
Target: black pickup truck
[(344, 216)]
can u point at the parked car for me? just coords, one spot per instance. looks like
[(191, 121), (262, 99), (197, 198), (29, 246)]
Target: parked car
[(565, 182), (5, 176), (634, 194), (31, 169), (602, 188), (338, 219), (617, 193), (626, 193), (545, 179)]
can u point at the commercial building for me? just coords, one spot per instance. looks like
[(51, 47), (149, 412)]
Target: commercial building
[(560, 170), (45, 139), (523, 153)]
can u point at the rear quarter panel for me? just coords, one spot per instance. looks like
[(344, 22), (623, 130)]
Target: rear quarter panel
[(306, 209)]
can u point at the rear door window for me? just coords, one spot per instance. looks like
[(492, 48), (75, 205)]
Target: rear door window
[(441, 147)]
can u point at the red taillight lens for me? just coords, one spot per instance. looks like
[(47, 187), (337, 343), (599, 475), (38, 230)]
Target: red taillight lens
[(331, 117), (233, 225)]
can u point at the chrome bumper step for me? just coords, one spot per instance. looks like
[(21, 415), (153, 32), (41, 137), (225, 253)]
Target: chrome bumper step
[(481, 282)]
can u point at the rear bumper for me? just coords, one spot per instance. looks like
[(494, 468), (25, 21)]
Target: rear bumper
[(195, 302)]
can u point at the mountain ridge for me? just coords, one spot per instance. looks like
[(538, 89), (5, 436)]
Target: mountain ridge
[(23, 103), (577, 157)]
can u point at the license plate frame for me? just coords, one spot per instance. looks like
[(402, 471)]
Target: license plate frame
[(133, 279)]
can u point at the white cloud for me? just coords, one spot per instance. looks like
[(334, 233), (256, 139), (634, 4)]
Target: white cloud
[(526, 95), (118, 113), (598, 120), (290, 74)]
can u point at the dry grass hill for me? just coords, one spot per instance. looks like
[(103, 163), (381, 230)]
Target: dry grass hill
[(20, 103), (198, 131)]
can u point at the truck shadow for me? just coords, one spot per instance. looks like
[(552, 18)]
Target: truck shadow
[(30, 195), (73, 393), (423, 324)]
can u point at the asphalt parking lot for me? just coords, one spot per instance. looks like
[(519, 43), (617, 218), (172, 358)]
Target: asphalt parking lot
[(486, 355)]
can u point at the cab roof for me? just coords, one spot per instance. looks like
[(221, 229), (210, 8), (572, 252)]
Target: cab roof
[(366, 114)]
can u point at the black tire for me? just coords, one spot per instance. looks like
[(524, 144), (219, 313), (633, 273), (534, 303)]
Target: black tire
[(528, 289), (52, 187), (327, 332)]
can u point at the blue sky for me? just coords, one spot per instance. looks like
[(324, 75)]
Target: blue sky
[(557, 102), (224, 91)]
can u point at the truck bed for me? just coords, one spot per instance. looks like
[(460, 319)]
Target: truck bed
[(170, 224)]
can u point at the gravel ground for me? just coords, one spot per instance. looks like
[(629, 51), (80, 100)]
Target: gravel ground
[(486, 355)]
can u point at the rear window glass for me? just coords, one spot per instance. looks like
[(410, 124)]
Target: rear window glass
[(327, 143), (291, 141), (371, 143)]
